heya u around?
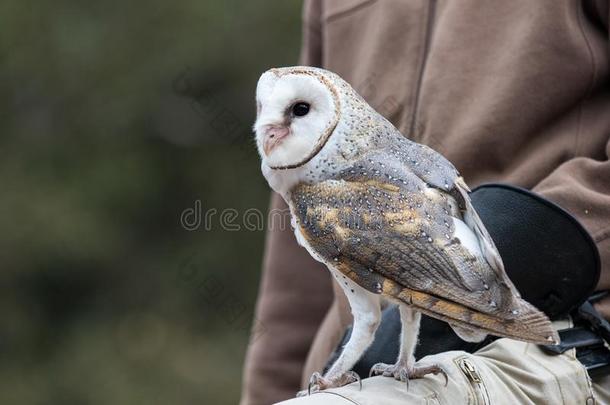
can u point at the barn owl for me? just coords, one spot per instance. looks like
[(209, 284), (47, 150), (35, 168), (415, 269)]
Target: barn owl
[(390, 218)]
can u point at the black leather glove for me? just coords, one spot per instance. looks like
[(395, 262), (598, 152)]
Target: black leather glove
[(547, 253)]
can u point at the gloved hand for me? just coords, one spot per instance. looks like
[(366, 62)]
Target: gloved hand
[(548, 255)]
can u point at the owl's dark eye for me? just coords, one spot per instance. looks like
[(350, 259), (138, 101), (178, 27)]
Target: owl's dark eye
[(300, 109)]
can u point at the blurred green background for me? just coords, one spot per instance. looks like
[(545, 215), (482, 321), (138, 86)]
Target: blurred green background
[(116, 117)]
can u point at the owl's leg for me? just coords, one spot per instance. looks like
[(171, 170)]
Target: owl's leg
[(367, 316), (405, 367)]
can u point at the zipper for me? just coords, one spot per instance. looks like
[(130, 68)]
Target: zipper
[(422, 66), (472, 374)]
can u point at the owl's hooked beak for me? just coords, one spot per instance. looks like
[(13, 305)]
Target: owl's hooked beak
[(274, 134)]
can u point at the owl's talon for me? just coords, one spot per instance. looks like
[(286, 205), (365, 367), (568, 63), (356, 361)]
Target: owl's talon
[(350, 377), (379, 369), (404, 373), (398, 371), (318, 383), (420, 371), (343, 379)]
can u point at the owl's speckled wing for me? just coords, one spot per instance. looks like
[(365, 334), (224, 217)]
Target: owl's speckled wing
[(437, 172), (395, 236)]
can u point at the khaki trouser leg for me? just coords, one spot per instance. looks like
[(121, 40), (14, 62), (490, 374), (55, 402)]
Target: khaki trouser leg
[(505, 372)]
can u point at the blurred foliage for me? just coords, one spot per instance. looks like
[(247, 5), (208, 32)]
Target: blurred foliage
[(116, 117)]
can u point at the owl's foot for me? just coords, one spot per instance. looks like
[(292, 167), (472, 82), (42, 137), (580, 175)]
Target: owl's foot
[(402, 372), (318, 383), (420, 371), (399, 372)]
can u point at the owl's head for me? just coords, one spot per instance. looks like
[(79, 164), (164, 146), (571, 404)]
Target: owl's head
[(298, 108)]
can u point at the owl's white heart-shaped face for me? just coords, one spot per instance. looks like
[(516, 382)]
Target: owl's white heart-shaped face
[(297, 110)]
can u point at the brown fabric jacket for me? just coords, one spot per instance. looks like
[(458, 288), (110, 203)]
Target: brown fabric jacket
[(509, 91)]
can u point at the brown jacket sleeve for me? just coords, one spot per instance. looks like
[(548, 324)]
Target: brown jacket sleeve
[(581, 185)]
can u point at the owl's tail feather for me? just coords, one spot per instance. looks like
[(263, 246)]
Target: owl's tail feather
[(527, 323), (536, 322)]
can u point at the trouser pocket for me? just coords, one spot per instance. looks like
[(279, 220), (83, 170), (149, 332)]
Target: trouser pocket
[(479, 392)]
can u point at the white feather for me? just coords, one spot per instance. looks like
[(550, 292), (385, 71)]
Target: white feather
[(467, 237)]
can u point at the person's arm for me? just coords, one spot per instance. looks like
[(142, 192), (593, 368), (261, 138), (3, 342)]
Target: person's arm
[(582, 187)]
